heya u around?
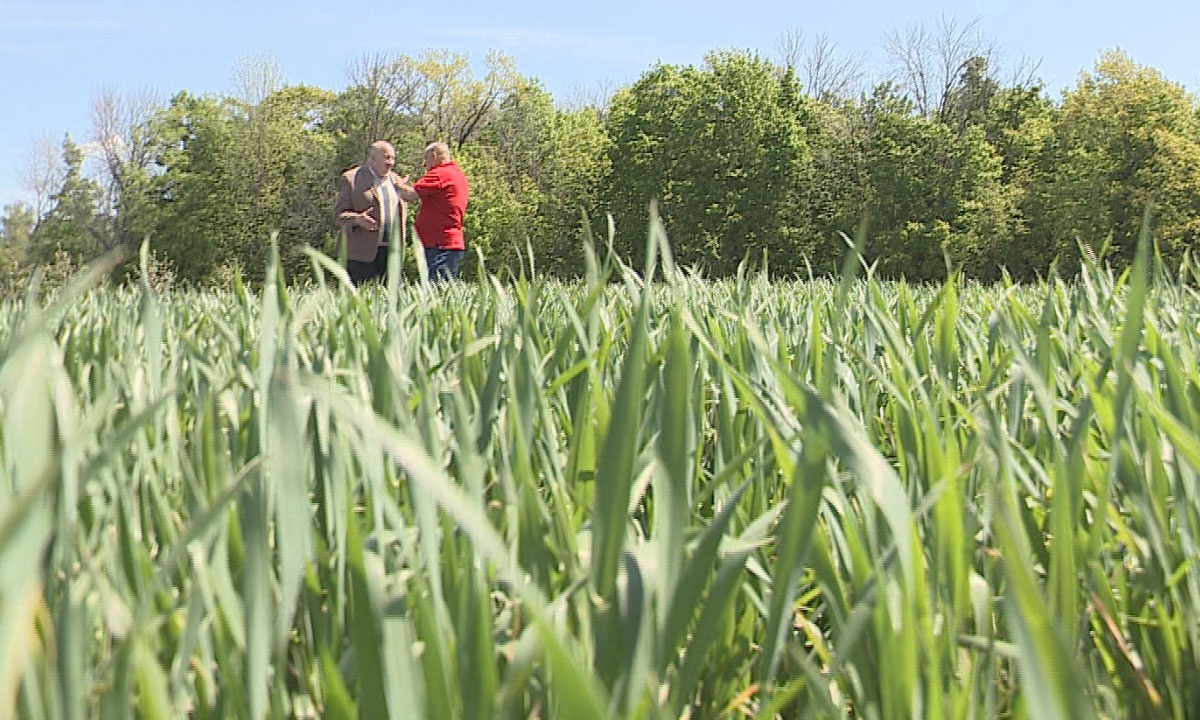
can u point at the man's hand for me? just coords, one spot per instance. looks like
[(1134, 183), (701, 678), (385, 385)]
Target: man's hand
[(366, 219), (406, 191)]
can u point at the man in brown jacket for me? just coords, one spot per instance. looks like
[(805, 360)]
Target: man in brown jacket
[(371, 213)]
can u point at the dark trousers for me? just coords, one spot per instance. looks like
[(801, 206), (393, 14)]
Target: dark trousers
[(360, 272), (443, 264)]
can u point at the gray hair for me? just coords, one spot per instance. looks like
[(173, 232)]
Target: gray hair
[(379, 146)]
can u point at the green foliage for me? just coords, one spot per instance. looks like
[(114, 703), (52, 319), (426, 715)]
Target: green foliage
[(968, 102), (193, 192), (74, 225), (575, 163), (997, 179), (16, 233), (533, 173), (932, 190), (723, 150), (412, 101), (1125, 139), (236, 173)]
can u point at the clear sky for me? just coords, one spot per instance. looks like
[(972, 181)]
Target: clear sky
[(55, 55)]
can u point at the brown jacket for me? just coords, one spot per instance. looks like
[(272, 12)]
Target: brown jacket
[(356, 194)]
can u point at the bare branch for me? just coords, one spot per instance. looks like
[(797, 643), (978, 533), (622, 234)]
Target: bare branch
[(926, 63), (120, 146), (1024, 72), (120, 137), (827, 74), (596, 97), (255, 77), (435, 95), (44, 174), (823, 72), (386, 88), (790, 47)]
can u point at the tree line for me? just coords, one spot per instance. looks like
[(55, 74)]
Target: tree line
[(777, 161)]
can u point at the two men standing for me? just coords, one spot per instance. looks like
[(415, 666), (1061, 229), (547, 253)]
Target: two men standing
[(372, 210)]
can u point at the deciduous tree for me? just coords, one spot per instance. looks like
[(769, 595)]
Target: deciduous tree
[(1126, 139), (74, 224), (723, 149)]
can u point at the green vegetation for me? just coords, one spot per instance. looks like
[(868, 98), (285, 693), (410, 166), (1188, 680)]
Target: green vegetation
[(605, 499), (744, 160)]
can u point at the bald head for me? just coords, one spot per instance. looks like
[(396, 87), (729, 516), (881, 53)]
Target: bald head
[(436, 153)]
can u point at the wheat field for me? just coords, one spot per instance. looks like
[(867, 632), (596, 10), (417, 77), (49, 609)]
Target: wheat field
[(639, 495)]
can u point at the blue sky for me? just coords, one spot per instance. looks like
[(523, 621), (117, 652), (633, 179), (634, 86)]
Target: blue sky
[(54, 56)]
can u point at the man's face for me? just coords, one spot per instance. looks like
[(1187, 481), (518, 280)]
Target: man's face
[(382, 159), (431, 159)]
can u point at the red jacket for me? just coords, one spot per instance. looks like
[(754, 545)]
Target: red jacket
[(444, 193)]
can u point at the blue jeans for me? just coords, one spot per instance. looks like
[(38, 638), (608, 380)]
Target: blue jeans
[(443, 264)]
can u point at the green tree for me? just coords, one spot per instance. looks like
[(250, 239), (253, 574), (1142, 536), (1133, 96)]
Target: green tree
[(929, 185), (310, 171), (723, 148), (124, 149), (575, 163), (1017, 123), (932, 191), (236, 172), (282, 168), (533, 172), (74, 224), (1125, 139), (411, 101), (967, 102), (16, 232), (193, 192), (840, 190)]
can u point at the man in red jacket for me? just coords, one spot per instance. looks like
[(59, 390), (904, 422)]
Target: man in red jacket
[(442, 192)]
